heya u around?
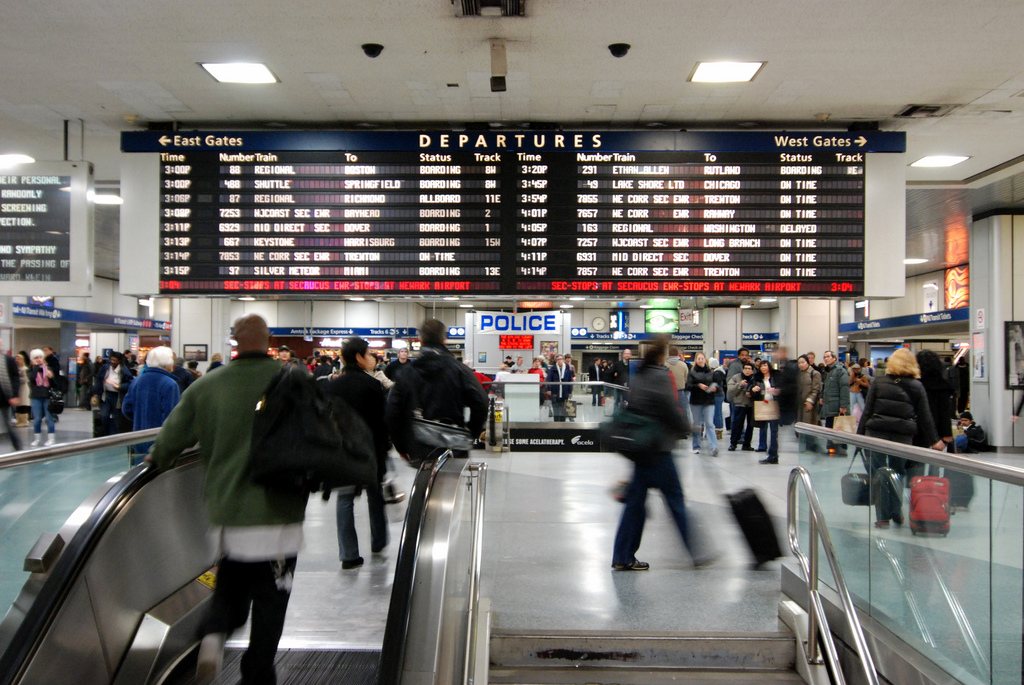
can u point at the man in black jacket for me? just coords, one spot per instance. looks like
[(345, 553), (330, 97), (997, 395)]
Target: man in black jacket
[(441, 388), (973, 439)]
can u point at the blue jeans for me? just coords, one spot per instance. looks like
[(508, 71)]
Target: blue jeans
[(704, 413), (719, 420), (961, 442), (773, 446), (659, 473), (41, 408), (684, 402), (743, 417), (348, 542)]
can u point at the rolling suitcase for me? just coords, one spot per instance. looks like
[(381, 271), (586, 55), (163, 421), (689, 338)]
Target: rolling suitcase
[(756, 525), (929, 505)]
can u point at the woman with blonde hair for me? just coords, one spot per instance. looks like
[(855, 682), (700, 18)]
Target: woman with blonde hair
[(896, 409)]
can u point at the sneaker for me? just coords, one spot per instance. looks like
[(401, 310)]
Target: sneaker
[(211, 658), (632, 566), (38, 439), (714, 452), (696, 450), (352, 563), (51, 439)]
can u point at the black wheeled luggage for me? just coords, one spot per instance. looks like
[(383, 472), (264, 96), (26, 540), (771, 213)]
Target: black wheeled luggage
[(756, 525)]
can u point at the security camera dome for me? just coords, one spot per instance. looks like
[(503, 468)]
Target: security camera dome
[(373, 49), (619, 49)]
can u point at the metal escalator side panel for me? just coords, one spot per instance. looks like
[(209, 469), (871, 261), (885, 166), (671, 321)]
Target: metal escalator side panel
[(144, 546), (396, 630)]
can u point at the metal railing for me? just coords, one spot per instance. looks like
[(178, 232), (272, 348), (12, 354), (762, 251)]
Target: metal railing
[(817, 622), (74, 449), (477, 479)]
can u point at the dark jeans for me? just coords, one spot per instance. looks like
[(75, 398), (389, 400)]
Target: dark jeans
[(5, 416), (265, 586), (110, 415), (742, 417), (659, 473), (558, 409), (773, 444)]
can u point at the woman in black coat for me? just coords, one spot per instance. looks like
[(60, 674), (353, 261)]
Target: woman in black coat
[(940, 396), (896, 409), (701, 384), (364, 395)]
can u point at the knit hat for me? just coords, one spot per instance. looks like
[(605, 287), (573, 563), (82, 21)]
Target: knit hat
[(856, 367), (967, 415)]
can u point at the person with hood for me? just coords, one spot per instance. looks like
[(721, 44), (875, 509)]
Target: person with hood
[(940, 398), (808, 387), (151, 397), (679, 370), (701, 384), (651, 395), (441, 388), (896, 409)]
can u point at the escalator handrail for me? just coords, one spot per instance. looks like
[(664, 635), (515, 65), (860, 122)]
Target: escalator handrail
[(816, 619), (392, 654), (75, 449), (67, 568)]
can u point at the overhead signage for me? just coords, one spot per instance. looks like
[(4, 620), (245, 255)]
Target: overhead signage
[(530, 214), (46, 240), (947, 316), (757, 337), (70, 315), (346, 332), (497, 323)]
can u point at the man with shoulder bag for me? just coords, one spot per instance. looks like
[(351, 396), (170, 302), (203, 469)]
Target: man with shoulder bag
[(430, 398)]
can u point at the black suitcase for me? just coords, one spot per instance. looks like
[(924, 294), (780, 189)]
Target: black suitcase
[(756, 525), (961, 488)]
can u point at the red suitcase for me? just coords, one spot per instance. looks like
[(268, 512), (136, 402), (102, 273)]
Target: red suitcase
[(929, 505)]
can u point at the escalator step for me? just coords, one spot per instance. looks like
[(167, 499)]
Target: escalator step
[(311, 667)]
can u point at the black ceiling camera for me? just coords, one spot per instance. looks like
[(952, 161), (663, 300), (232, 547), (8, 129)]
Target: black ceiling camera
[(372, 49), (619, 49)]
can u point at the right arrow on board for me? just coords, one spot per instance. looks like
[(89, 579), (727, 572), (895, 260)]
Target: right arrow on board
[(861, 141)]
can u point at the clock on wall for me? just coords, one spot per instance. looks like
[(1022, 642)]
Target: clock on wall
[(598, 323)]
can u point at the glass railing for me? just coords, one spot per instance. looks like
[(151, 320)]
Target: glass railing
[(41, 488), (949, 586)]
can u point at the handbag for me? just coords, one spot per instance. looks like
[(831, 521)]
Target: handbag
[(440, 434), (845, 423), (856, 487), (55, 405), (633, 435), (766, 411)]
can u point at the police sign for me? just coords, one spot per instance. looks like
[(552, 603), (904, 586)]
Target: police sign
[(494, 323)]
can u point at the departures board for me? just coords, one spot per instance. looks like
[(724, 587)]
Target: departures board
[(538, 213)]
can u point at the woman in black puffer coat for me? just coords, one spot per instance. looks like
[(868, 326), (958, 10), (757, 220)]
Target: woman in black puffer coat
[(701, 384), (896, 409)]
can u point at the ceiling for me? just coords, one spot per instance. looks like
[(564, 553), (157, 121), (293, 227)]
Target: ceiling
[(106, 66)]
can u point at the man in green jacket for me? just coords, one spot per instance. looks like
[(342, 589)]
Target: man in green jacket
[(835, 393), (257, 530)]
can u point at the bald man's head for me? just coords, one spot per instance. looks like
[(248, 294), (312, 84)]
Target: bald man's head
[(252, 334)]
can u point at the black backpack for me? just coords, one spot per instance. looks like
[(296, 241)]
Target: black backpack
[(303, 441)]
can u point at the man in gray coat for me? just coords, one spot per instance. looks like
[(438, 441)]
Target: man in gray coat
[(835, 392)]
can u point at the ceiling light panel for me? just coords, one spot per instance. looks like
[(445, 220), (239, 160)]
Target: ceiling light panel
[(725, 72), (240, 72)]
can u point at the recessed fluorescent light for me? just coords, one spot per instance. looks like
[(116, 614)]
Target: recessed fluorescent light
[(240, 72), (565, 306), (247, 299), (745, 306), (577, 299), (725, 72), (769, 299), (466, 306), (104, 199), (914, 260), (939, 160), (12, 159)]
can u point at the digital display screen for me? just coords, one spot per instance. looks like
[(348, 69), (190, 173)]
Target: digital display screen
[(661, 321), (529, 214), (515, 342), (35, 227)]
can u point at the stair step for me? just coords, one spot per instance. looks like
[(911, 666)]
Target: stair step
[(635, 676), (522, 657)]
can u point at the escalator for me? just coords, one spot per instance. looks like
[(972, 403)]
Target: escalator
[(116, 596)]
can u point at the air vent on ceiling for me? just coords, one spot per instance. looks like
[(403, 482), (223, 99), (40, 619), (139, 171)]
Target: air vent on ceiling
[(925, 111), (489, 8)]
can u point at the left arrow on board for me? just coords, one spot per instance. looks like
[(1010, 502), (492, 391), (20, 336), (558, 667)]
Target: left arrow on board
[(164, 140)]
